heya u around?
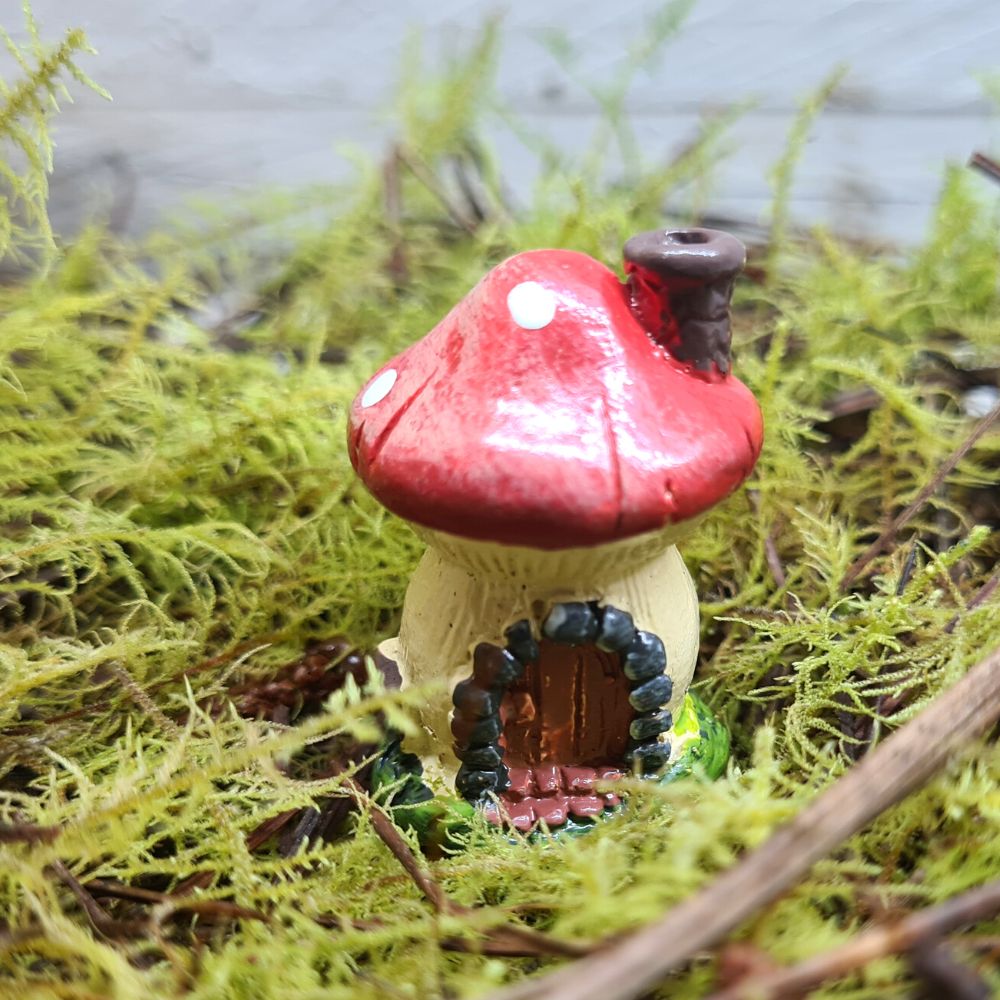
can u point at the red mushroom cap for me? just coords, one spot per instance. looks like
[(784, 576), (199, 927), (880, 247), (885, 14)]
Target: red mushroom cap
[(540, 412)]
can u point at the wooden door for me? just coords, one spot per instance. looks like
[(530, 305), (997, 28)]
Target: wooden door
[(571, 707)]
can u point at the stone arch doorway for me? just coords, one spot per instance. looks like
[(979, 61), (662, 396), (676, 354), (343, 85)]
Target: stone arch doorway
[(545, 717)]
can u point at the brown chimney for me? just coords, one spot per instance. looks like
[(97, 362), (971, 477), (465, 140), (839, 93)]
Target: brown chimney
[(680, 282)]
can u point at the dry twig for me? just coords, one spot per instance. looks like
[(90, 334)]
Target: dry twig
[(400, 849), (27, 833), (392, 186), (99, 919), (507, 939), (900, 765), (908, 567), (944, 975), (878, 942), (204, 907), (770, 548), (982, 163), (980, 597), (426, 176)]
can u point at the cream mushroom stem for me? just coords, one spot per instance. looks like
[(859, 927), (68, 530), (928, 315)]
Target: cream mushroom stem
[(465, 592)]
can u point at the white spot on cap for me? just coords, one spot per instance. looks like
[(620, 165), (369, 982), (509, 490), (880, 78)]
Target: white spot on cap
[(531, 305), (379, 388)]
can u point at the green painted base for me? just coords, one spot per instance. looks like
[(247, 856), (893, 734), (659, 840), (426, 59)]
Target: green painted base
[(397, 781), (703, 742)]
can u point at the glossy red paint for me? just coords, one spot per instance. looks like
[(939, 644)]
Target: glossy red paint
[(549, 417)]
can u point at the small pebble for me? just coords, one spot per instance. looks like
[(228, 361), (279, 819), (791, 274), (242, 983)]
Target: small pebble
[(471, 784), (617, 630), (482, 758), (494, 668), (520, 814), (520, 783), (475, 732), (578, 779), (573, 623), (649, 757), (652, 694), (645, 657), (521, 643), (473, 702), (644, 727), (552, 810), (586, 806), (978, 402)]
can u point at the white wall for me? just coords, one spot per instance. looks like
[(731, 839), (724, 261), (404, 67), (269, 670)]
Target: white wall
[(211, 96)]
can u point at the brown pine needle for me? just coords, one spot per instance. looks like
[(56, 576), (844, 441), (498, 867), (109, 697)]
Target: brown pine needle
[(205, 907), (426, 176), (99, 919), (981, 596), (985, 165), (27, 833)]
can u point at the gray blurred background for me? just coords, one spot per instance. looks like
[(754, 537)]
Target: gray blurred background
[(214, 97)]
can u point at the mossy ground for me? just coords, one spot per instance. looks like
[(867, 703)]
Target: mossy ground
[(177, 515)]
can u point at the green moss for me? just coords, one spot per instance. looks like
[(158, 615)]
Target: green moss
[(177, 514)]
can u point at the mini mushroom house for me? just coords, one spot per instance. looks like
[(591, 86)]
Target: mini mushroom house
[(551, 439)]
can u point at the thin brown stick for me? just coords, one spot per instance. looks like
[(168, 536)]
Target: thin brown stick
[(921, 498), (891, 939), (506, 939), (262, 833), (498, 941), (400, 849), (774, 560), (945, 975), (254, 839), (982, 163), (984, 593), (392, 187), (897, 767), (217, 908), (205, 907), (770, 549), (27, 833), (509, 941), (100, 920), (117, 890), (846, 404), (427, 177)]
